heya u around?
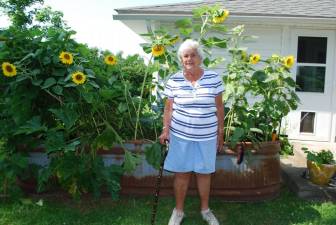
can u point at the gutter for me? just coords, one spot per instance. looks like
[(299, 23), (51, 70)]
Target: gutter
[(247, 19)]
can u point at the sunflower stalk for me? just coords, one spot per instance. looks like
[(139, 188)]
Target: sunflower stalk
[(140, 102)]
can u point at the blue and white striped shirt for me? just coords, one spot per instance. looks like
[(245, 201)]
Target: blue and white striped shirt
[(194, 107)]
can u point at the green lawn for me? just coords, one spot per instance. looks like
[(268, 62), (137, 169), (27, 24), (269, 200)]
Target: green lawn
[(287, 209)]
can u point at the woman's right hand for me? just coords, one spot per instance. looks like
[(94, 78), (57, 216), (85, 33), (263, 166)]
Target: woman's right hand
[(164, 136)]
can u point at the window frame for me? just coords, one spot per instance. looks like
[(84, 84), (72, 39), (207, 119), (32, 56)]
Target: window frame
[(298, 64)]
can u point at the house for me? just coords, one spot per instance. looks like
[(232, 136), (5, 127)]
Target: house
[(303, 28)]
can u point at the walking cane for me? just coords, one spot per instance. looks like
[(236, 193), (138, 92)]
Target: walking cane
[(158, 183)]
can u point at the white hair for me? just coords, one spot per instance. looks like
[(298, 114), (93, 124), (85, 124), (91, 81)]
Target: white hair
[(189, 44)]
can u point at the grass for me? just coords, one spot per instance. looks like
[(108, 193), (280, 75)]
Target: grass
[(285, 210)]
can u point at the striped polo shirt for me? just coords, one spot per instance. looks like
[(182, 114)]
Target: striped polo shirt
[(194, 107)]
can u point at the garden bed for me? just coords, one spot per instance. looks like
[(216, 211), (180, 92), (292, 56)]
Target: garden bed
[(256, 178)]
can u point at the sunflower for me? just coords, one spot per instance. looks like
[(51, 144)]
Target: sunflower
[(221, 16), (110, 60), (8, 69), (254, 59), (78, 77), (66, 58), (174, 40), (158, 50), (288, 61)]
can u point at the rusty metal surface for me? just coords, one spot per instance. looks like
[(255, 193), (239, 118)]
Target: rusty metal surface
[(257, 178)]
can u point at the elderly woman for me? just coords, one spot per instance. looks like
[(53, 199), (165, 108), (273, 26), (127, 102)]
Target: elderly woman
[(193, 123)]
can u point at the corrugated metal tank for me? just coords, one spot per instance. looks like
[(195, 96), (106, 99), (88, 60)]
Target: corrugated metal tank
[(256, 178)]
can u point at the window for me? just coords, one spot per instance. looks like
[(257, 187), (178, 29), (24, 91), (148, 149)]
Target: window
[(307, 122), (311, 64)]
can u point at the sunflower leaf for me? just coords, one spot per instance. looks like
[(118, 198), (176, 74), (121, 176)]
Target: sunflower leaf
[(49, 82), (31, 126), (67, 115), (131, 161)]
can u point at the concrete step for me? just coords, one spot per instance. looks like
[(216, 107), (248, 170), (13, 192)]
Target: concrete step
[(292, 168)]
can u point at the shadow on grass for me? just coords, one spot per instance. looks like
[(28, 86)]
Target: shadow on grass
[(285, 210)]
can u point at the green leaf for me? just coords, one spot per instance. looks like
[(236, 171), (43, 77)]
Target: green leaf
[(32, 126), (238, 133), (19, 160), (107, 139), (215, 62), (90, 73), (26, 57), (59, 72), (46, 60), (206, 61), (21, 78), (39, 202), (219, 27), (147, 49), (72, 146), (57, 90), (26, 201), (256, 130), (70, 85), (154, 155), (185, 31), (131, 161), (55, 141), (290, 81), (67, 115), (122, 107), (48, 83), (259, 76), (88, 96), (93, 84), (183, 23), (219, 42)]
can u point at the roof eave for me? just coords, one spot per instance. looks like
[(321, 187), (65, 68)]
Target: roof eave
[(232, 18)]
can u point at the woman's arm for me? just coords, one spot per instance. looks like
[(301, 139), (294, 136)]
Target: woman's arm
[(220, 118), (167, 114)]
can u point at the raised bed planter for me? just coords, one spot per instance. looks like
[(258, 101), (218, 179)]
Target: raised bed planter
[(257, 178)]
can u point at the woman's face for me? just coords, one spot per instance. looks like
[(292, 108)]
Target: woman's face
[(190, 59)]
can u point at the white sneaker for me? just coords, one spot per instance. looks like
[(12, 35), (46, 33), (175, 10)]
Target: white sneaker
[(208, 216), (176, 218)]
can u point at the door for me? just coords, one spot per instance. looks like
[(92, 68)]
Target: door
[(314, 76)]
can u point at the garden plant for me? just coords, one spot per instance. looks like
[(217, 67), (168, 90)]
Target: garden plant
[(66, 98), (71, 100)]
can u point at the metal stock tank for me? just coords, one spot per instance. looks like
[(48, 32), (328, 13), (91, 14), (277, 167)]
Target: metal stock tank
[(256, 178)]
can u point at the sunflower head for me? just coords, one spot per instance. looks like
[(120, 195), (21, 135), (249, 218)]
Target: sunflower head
[(110, 60), (78, 77), (220, 16), (254, 59), (66, 58), (158, 50), (8, 69), (288, 61)]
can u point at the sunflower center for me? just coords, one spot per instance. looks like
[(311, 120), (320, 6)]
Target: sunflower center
[(111, 58), (67, 56), (79, 77), (9, 68), (158, 48)]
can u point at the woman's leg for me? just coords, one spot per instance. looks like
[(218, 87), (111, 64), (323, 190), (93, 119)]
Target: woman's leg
[(181, 183), (203, 185)]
